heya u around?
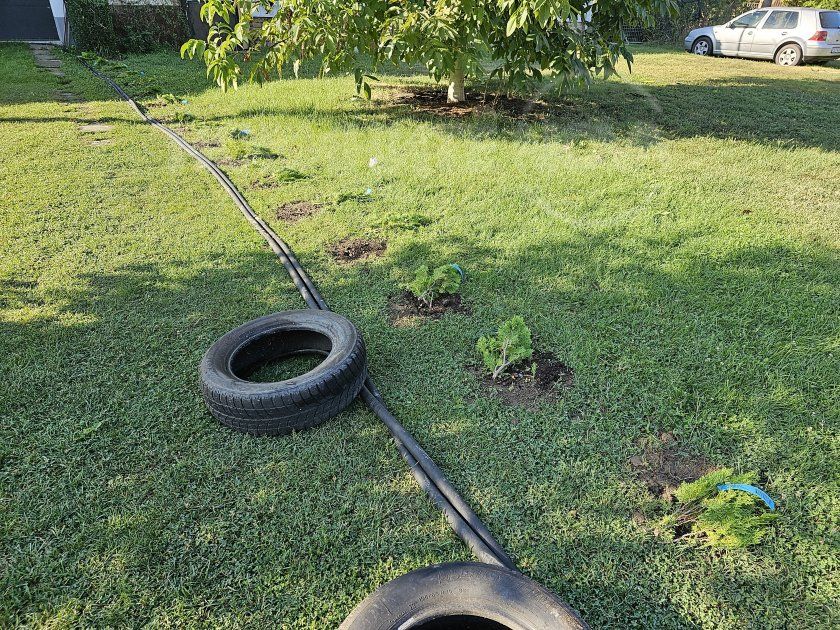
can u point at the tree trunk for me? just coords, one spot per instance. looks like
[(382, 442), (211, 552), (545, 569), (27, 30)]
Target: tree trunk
[(456, 83)]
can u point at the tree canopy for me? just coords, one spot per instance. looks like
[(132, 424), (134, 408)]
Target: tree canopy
[(519, 42)]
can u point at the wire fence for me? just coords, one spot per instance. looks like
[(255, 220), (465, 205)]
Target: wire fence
[(692, 14)]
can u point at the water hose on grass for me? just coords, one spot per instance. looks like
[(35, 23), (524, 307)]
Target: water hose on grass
[(451, 596), (463, 520)]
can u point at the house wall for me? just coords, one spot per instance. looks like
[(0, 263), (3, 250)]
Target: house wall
[(60, 17)]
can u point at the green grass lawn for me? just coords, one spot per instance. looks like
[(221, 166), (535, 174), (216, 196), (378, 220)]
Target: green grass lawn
[(672, 236)]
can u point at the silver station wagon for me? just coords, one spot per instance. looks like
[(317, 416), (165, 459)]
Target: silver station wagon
[(787, 35)]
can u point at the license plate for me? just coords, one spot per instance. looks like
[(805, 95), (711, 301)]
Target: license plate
[(835, 50)]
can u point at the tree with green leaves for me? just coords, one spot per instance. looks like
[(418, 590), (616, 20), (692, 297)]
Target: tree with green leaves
[(519, 42)]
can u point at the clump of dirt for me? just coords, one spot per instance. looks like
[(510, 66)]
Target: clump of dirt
[(405, 308), (663, 465), (428, 100), (296, 210), (351, 249), (523, 386)]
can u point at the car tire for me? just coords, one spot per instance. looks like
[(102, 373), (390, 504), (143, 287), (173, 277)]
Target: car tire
[(788, 55), (462, 595), (702, 46), (294, 404)]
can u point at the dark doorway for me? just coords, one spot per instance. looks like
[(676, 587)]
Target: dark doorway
[(27, 20)]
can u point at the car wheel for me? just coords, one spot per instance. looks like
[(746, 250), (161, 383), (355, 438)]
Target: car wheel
[(702, 46), (463, 596), (789, 55)]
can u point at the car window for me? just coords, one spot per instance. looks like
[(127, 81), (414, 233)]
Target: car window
[(830, 19), (782, 20), (748, 20)]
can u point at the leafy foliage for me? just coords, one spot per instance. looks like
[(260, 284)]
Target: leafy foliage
[(730, 519), (511, 344), (93, 28), (108, 28), (428, 286), (239, 149), (823, 4), (132, 81), (404, 221), (517, 41)]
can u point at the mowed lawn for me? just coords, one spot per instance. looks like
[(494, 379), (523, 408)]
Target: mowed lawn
[(672, 236)]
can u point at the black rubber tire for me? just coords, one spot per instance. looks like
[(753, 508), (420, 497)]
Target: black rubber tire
[(294, 404), (462, 595)]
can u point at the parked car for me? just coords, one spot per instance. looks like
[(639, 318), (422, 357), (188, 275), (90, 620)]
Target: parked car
[(788, 35)]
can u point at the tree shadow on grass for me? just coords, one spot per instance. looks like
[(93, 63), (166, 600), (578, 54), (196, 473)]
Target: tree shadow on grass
[(777, 112)]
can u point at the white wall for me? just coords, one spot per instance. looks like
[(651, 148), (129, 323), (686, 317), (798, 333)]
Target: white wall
[(60, 17)]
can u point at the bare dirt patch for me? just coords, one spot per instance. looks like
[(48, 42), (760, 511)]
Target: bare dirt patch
[(404, 309), (432, 100), (296, 210), (525, 387), (663, 465), (352, 249)]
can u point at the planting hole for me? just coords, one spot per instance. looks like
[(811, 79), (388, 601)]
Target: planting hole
[(352, 249), (405, 308), (296, 210), (663, 465)]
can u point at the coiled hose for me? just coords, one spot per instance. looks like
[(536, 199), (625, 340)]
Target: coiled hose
[(463, 520)]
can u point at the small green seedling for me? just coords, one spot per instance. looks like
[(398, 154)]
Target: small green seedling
[(240, 150), (510, 345), (183, 117), (428, 286), (728, 519)]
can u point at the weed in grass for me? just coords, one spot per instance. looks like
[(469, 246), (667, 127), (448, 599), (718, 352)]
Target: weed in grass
[(182, 117), (340, 198), (285, 175), (403, 221), (242, 150)]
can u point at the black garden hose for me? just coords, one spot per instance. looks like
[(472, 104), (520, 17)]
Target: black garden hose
[(463, 520)]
